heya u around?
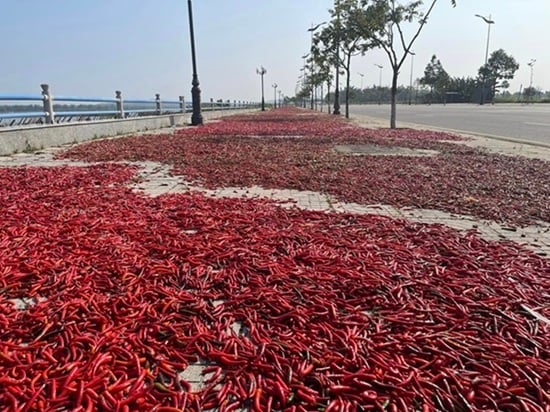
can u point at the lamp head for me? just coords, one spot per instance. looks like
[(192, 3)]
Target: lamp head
[(485, 19), (312, 29)]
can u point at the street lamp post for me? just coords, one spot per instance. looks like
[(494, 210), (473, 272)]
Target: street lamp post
[(313, 86), (196, 117), (337, 62), (304, 68), (411, 79), (274, 85), (362, 75), (379, 83), (361, 90), (261, 71), (489, 22), (322, 98), (303, 78), (531, 64), (328, 94)]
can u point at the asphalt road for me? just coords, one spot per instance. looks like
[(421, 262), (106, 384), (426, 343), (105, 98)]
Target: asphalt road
[(509, 121)]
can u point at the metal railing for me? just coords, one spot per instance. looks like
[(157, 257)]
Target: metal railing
[(58, 109)]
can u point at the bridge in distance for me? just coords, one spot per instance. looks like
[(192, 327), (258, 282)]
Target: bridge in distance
[(509, 121)]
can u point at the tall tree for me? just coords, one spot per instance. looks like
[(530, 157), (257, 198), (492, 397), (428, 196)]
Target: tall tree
[(351, 32), (324, 50), (499, 67), (436, 78), (529, 93), (392, 38), (324, 61), (466, 87), (323, 75)]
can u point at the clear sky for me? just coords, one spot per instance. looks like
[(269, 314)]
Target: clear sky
[(94, 47)]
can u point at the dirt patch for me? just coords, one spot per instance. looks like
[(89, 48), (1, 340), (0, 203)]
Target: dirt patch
[(376, 150)]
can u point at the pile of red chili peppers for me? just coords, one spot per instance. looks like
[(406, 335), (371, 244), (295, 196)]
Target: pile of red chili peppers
[(106, 296), (292, 149)]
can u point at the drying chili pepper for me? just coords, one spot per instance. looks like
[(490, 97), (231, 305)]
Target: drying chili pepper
[(107, 299), (290, 149)]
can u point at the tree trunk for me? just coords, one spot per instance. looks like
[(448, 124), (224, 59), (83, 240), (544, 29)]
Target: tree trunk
[(393, 97), (347, 83)]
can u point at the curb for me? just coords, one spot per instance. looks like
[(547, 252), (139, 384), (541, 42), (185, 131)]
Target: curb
[(495, 137), (464, 132)]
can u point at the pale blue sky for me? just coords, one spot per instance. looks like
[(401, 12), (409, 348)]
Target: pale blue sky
[(93, 47)]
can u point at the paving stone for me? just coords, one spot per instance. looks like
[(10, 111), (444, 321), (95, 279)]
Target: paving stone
[(194, 375), (24, 303)]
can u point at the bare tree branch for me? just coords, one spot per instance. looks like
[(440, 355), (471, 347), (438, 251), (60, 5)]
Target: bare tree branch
[(423, 21)]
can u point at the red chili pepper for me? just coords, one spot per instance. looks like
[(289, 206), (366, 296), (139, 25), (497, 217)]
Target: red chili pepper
[(306, 395), (257, 398), (379, 313)]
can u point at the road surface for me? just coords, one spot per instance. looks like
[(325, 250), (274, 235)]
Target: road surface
[(510, 121)]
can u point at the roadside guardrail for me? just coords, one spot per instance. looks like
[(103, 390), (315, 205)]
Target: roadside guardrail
[(64, 109)]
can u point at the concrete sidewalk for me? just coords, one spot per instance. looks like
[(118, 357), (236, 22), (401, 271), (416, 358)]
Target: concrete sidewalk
[(509, 147)]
